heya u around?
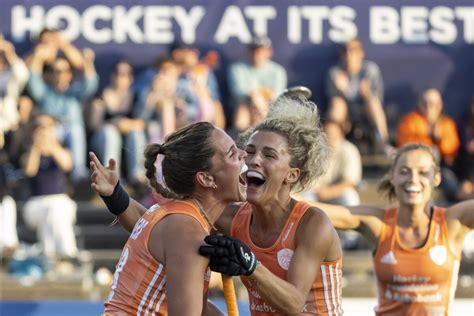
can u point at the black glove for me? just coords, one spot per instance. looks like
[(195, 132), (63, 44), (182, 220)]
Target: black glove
[(228, 255)]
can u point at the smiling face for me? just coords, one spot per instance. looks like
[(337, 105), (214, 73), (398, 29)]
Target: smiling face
[(268, 160), (414, 177), (228, 167)]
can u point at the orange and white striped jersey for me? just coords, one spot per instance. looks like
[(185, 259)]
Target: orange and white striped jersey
[(419, 281), (325, 295), (139, 284)]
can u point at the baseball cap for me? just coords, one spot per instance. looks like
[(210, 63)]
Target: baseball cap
[(260, 42)]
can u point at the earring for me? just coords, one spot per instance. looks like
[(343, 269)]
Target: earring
[(214, 186)]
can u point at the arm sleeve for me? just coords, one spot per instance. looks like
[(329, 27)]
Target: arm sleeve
[(237, 86), (36, 87), (376, 82)]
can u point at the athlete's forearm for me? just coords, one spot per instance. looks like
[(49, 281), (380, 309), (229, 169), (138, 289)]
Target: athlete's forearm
[(279, 293), (131, 215)]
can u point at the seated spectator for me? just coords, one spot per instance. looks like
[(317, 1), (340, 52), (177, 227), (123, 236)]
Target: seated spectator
[(429, 126), (49, 210), (13, 77), (464, 164), (338, 185), (62, 98), (8, 232), (255, 83), (358, 85), (117, 127)]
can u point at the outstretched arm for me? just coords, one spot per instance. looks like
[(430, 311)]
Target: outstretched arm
[(104, 181), (367, 220)]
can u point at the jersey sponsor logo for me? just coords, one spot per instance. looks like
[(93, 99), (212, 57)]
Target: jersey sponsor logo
[(139, 226), (284, 258), (153, 208), (439, 254), (389, 258)]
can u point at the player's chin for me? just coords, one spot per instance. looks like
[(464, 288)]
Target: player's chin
[(242, 193)]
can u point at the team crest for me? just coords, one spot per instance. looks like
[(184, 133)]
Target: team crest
[(284, 258), (439, 254)]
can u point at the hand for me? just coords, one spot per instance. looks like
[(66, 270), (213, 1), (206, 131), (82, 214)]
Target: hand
[(103, 180), (46, 52), (88, 55), (228, 255), (341, 81), (6, 47)]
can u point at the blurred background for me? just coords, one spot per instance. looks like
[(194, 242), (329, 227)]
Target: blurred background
[(112, 76)]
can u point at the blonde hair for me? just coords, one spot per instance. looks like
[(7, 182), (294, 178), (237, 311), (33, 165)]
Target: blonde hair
[(385, 186), (297, 120)]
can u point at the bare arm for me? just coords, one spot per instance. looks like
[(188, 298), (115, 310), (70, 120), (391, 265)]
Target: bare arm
[(311, 250), (104, 180), (175, 241), (72, 53), (367, 220), (460, 218)]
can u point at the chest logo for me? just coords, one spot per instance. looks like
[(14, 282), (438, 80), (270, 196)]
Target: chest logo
[(284, 258), (439, 254), (389, 258)]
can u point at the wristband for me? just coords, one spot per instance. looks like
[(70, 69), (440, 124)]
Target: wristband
[(118, 202)]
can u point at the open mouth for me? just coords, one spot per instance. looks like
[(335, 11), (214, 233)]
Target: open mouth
[(255, 179), (242, 177), (411, 189)]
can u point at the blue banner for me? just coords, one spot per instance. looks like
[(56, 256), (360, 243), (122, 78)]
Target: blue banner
[(417, 44)]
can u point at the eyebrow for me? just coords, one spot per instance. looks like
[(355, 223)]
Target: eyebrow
[(265, 148), (230, 149)]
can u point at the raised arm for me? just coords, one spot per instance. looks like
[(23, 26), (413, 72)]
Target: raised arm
[(104, 181), (460, 218)]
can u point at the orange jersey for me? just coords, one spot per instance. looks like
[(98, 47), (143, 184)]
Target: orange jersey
[(324, 297), (415, 128), (419, 281), (139, 284)]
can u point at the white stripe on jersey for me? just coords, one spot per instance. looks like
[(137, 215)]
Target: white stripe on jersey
[(326, 294), (150, 286)]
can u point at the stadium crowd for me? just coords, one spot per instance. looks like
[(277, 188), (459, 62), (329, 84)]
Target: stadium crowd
[(52, 113)]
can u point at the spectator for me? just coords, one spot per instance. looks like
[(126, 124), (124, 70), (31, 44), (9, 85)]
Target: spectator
[(8, 232), (57, 44), (62, 98), (164, 107), (200, 79), (429, 126), (359, 83), (255, 83), (49, 210), (116, 125), (197, 85), (464, 164), (338, 184), (13, 77)]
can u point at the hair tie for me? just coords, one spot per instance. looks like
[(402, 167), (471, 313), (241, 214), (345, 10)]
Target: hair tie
[(161, 149)]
